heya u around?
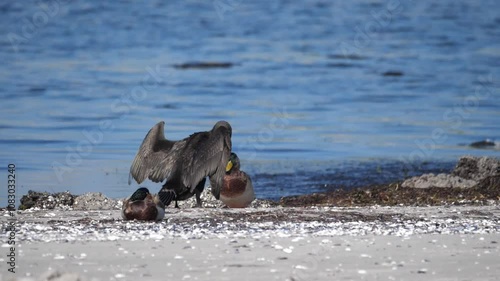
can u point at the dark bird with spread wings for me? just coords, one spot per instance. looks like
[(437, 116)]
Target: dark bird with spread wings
[(186, 163)]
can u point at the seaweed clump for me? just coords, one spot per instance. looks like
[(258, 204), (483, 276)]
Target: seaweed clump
[(394, 194)]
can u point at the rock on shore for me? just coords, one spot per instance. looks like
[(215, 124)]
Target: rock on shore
[(469, 172), (45, 200), (62, 200), (475, 168), (95, 201)]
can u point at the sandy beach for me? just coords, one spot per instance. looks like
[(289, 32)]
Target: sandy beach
[(277, 243)]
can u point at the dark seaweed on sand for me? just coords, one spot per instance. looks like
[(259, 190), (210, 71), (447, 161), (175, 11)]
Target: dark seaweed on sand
[(393, 194)]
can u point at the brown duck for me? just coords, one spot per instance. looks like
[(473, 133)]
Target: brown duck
[(141, 205), (237, 189)]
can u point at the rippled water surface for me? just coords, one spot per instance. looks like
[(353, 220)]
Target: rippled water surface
[(320, 94)]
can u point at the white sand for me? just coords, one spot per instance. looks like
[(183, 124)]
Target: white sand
[(307, 247)]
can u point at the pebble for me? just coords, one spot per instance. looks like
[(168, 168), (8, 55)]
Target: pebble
[(301, 267)]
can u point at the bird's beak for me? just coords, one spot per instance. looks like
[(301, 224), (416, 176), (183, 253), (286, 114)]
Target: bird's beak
[(229, 166)]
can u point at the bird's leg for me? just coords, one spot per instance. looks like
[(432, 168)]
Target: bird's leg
[(198, 190), (198, 199), (166, 196), (176, 205)]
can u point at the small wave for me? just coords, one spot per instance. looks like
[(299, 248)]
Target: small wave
[(203, 65)]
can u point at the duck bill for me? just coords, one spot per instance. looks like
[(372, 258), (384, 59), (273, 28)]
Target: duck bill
[(229, 166)]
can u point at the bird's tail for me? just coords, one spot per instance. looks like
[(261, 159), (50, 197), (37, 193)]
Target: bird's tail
[(166, 196)]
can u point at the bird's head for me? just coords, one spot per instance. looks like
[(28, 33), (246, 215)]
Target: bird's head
[(140, 194), (223, 125), (233, 163)]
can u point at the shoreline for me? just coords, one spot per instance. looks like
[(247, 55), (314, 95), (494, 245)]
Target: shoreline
[(473, 181), (384, 232)]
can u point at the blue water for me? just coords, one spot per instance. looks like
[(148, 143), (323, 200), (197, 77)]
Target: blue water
[(320, 94)]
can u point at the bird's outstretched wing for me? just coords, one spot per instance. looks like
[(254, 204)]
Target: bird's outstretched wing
[(156, 157), (208, 154)]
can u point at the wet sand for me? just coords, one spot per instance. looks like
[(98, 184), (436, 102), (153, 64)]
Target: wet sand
[(438, 257), (277, 243)]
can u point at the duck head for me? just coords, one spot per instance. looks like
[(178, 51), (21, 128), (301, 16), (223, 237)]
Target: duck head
[(233, 163), (140, 194)]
